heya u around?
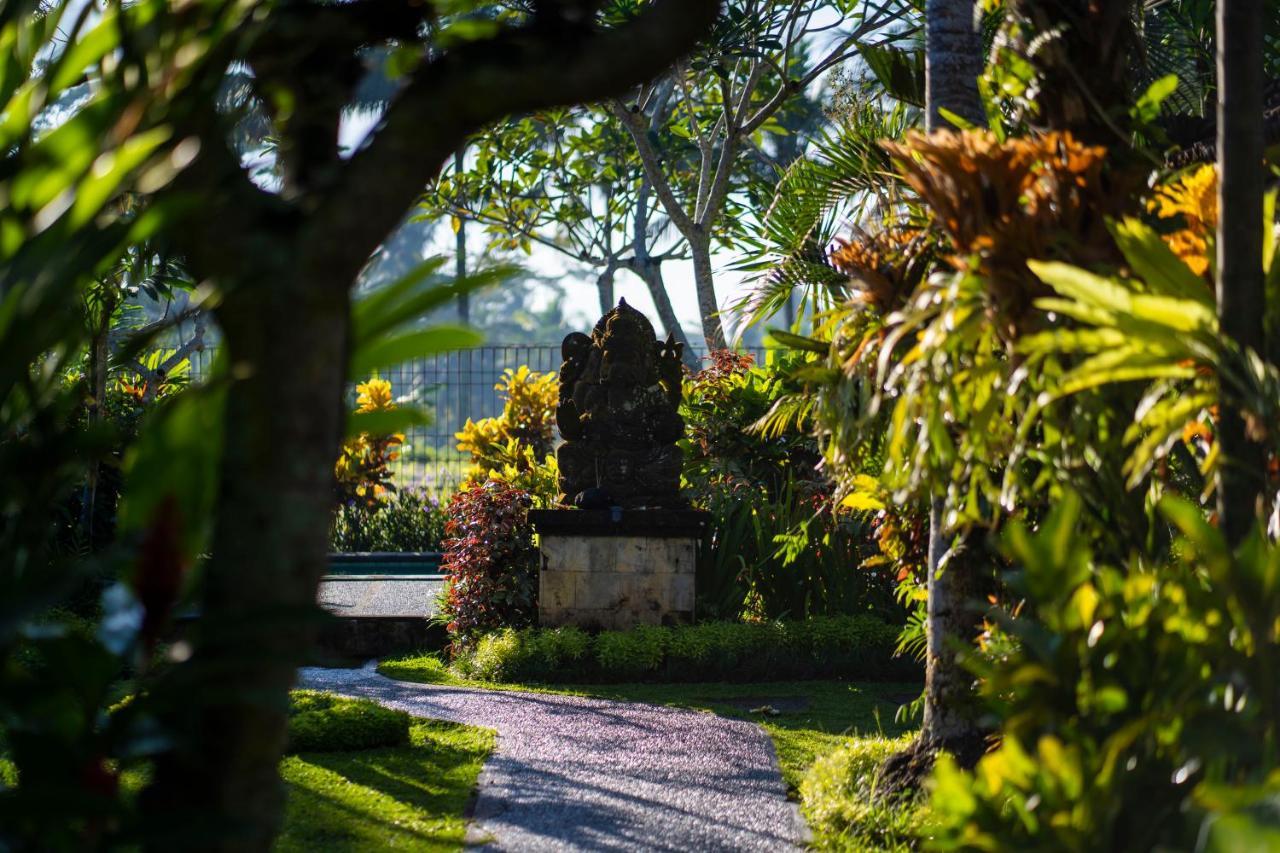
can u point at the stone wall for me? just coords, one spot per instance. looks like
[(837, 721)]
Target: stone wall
[(616, 582)]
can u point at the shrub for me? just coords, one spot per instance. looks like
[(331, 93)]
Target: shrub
[(408, 521), (516, 447), (837, 646), (1137, 705), (491, 562), (362, 474), (632, 655), (323, 722), (779, 547), (838, 797)]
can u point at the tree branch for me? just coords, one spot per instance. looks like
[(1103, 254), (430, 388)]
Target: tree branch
[(652, 166), (534, 66)]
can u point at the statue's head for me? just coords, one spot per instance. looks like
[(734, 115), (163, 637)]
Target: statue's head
[(626, 340)]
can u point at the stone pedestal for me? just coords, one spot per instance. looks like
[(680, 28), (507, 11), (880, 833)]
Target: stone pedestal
[(616, 569)]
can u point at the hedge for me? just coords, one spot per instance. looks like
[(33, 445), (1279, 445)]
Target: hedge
[(822, 647), (323, 722)]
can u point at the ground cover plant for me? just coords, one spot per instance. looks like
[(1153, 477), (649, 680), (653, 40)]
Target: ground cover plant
[(323, 722), (832, 646)]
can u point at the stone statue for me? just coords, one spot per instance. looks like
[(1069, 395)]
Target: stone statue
[(618, 415)]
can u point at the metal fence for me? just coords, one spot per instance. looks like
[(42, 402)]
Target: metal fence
[(453, 387)]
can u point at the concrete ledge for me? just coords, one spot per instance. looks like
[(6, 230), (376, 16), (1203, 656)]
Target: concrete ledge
[(380, 596), (652, 523)]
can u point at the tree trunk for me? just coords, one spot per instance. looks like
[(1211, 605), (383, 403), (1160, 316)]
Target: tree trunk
[(704, 281), (953, 61), (604, 288), (651, 273), (1241, 177), (948, 709), (460, 247), (99, 361), (282, 431)]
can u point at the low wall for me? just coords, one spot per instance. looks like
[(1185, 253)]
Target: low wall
[(617, 569)]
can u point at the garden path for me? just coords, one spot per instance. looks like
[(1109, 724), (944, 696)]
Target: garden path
[(575, 773)]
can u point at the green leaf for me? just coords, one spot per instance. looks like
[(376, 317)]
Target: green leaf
[(900, 71), (390, 350), (1147, 108), (1203, 536), (86, 50), (800, 342), (1155, 263), (396, 420), (413, 295), (1083, 286), (177, 456)]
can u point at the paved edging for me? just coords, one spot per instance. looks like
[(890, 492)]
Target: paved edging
[(577, 773)]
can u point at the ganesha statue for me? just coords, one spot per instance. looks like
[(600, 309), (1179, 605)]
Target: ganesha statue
[(619, 417)]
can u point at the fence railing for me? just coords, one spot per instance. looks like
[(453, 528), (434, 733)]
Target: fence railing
[(453, 387)]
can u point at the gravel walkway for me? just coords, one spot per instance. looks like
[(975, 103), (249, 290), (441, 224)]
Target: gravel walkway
[(572, 773)]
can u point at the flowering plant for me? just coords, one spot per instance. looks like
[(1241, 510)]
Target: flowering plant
[(363, 470)]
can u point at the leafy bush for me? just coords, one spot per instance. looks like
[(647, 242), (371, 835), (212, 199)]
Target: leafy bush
[(834, 646), (1138, 706), (516, 447), (839, 799), (407, 521), (323, 722), (362, 474), (779, 548), (491, 562)]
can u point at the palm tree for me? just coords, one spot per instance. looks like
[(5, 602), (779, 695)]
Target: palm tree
[(952, 62)]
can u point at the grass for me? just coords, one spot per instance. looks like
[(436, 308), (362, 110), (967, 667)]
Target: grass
[(402, 798), (411, 797)]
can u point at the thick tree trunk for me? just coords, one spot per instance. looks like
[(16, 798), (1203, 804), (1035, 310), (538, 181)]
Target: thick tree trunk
[(708, 305), (948, 709), (953, 61), (282, 430), (1241, 177)]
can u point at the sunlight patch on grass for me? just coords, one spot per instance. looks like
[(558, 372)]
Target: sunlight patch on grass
[(401, 798)]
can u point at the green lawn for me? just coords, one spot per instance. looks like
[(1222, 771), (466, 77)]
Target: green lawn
[(813, 717), (400, 798)]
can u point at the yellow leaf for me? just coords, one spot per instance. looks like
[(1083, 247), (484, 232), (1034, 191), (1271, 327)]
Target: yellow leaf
[(861, 501)]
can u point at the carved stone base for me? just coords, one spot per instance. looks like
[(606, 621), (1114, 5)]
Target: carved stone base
[(602, 570)]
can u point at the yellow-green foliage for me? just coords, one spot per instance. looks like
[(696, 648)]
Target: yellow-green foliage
[(838, 797), (325, 722), (410, 797), (516, 447)]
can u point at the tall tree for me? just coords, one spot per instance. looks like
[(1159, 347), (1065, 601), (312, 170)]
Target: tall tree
[(565, 181), (763, 56), (953, 62), (1241, 298), (283, 263)]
